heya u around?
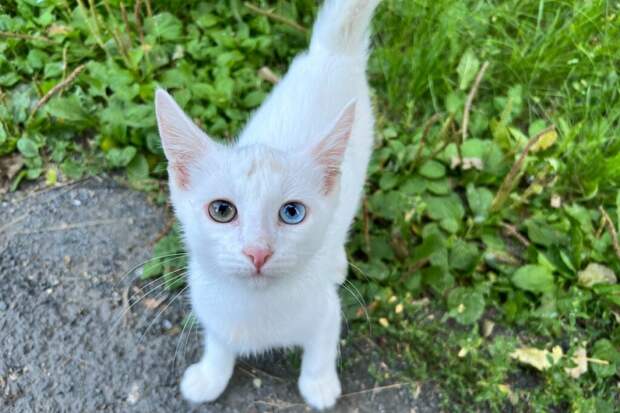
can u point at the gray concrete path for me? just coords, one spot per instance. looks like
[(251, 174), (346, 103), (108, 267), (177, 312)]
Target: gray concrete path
[(63, 252)]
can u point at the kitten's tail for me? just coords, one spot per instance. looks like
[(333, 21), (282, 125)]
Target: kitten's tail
[(342, 26)]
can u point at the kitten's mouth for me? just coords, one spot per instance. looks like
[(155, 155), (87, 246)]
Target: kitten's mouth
[(260, 276)]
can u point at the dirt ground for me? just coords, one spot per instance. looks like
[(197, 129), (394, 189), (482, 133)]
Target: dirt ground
[(66, 346)]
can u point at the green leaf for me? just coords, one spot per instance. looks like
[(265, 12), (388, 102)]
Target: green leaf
[(432, 243), (534, 278), (445, 207), (414, 185), (467, 69), (604, 349), (138, 168), (539, 232), (466, 305), (152, 269), (69, 108), (3, 135), (72, 169), (388, 181), (51, 177), (27, 147), (609, 292), (432, 169), (464, 255), (120, 157), (439, 186), (164, 25), (253, 99), (9, 79), (479, 200), (375, 269), (438, 278), (618, 209)]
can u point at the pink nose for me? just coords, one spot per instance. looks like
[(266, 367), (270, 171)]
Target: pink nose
[(258, 255)]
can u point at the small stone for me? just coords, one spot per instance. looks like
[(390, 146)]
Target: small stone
[(3, 306), (487, 328), (134, 394), (166, 324), (77, 202), (257, 383)]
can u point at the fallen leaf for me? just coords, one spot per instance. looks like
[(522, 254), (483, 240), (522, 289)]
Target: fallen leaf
[(9, 167), (55, 29), (505, 389), (266, 74), (467, 163), (596, 274), (545, 141), (539, 359), (580, 358), (423, 302), (487, 328), (152, 303)]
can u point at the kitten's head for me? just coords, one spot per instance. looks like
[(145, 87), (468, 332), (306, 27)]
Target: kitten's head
[(251, 212)]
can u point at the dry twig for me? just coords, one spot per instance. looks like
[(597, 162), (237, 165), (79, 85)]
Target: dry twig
[(511, 178), (276, 17), (60, 86), (267, 74), (366, 224), (514, 232), (26, 37), (375, 390), (470, 99), (427, 128), (612, 230)]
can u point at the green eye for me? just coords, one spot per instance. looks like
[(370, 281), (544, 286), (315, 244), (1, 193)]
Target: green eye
[(292, 213), (222, 211)]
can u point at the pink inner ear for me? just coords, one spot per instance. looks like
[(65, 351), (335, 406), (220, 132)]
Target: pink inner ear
[(183, 142), (330, 158), (180, 175), (329, 153)]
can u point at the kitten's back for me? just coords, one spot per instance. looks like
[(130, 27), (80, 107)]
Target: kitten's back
[(320, 82)]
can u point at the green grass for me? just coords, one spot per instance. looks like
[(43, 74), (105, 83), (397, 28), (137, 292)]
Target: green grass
[(502, 241)]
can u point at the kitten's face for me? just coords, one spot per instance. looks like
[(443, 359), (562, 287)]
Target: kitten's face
[(251, 212), (255, 213)]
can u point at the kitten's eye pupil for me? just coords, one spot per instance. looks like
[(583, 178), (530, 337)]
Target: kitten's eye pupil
[(292, 213), (222, 211)]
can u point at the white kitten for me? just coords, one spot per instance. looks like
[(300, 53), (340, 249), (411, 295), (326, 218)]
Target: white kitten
[(265, 220)]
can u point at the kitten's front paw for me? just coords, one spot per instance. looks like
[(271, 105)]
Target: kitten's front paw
[(320, 392), (199, 386)]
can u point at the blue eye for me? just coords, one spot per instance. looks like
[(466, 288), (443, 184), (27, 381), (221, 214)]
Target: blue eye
[(292, 213)]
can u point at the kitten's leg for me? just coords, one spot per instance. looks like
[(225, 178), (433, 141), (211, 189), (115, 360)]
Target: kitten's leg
[(318, 382), (207, 379)]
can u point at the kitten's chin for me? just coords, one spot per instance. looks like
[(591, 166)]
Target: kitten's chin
[(260, 280)]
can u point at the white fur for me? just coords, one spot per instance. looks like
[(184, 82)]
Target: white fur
[(318, 117)]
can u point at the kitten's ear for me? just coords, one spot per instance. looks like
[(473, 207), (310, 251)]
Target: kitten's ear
[(329, 153), (183, 142)]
